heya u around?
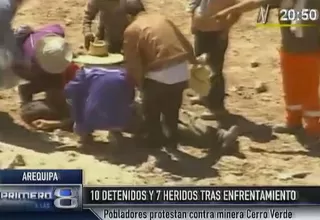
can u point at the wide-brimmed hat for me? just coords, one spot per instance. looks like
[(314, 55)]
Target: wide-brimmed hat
[(199, 80), (99, 55), (53, 53)]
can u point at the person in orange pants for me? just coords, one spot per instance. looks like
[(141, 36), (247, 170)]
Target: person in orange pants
[(300, 75), (300, 62)]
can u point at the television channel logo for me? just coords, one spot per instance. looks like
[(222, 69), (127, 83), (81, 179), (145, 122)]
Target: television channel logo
[(66, 198)]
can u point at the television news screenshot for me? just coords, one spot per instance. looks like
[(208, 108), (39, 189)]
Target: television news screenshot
[(169, 109)]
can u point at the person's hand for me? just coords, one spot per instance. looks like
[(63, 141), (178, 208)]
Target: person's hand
[(88, 38), (221, 15), (202, 59), (100, 34), (41, 124)]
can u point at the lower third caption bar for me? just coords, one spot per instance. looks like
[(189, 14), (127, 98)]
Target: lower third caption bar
[(267, 213)]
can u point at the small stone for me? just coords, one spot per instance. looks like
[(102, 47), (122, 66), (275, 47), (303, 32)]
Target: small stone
[(266, 98), (68, 22), (17, 161), (289, 176), (284, 176), (261, 87), (237, 89), (301, 175), (254, 64)]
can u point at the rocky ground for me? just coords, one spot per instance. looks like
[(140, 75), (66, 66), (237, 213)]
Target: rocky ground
[(255, 100)]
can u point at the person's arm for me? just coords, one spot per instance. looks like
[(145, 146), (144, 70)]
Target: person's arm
[(193, 4), (244, 6), (76, 94), (52, 124), (233, 19), (185, 43), (132, 56), (90, 13)]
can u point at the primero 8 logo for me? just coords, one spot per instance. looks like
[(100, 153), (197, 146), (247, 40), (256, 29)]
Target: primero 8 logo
[(66, 198)]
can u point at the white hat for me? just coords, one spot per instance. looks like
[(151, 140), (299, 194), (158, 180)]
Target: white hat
[(53, 53), (99, 55)]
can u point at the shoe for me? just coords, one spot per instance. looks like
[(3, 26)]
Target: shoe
[(228, 138), (285, 129)]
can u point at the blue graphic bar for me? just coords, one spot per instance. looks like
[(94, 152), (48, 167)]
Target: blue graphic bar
[(39, 198), (40, 176)]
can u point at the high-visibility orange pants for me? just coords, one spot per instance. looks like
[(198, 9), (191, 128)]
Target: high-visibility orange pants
[(300, 73)]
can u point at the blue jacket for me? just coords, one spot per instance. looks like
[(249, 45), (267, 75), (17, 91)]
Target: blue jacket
[(100, 99)]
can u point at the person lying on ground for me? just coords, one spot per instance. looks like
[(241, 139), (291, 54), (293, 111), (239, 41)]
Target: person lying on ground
[(100, 99), (299, 53), (112, 23), (49, 68), (211, 38), (193, 130)]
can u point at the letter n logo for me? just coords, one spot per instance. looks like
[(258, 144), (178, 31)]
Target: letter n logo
[(263, 14)]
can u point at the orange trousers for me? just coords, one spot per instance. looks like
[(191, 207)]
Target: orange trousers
[(300, 75)]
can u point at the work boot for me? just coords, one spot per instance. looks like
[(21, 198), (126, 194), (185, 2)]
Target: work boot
[(228, 138), (285, 129)]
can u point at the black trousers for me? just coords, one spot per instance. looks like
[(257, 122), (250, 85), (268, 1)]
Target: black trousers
[(38, 82), (161, 103), (214, 44)]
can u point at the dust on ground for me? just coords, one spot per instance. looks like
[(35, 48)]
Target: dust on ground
[(252, 62)]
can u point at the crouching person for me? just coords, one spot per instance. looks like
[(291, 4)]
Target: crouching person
[(157, 55), (49, 58), (100, 99), (48, 68)]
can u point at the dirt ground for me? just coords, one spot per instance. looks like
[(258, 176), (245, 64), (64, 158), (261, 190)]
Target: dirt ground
[(262, 158)]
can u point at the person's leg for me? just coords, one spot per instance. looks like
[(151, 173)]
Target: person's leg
[(38, 84), (151, 113), (216, 97), (200, 46), (114, 44), (293, 95), (172, 101), (310, 89)]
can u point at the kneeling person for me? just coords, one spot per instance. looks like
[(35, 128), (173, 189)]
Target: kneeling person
[(100, 99), (48, 69)]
